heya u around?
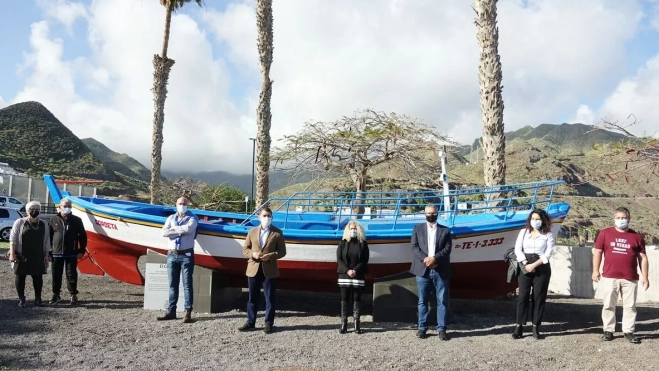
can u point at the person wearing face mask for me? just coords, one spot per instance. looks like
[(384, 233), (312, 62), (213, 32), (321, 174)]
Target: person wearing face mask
[(431, 264), (533, 249), (69, 240), (29, 245), (263, 246), (352, 257), (181, 229), (623, 249)]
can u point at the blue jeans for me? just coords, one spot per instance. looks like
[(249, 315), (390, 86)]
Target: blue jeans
[(175, 265), (423, 285)]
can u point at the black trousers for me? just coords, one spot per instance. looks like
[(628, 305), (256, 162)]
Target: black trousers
[(71, 265), (37, 282), (351, 294), (539, 280)]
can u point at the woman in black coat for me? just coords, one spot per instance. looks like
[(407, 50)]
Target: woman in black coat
[(352, 258)]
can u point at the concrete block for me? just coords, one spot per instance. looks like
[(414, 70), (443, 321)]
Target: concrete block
[(395, 299), (209, 286)]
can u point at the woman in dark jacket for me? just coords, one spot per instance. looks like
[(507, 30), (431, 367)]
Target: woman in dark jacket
[(352, 257), (29, 244)]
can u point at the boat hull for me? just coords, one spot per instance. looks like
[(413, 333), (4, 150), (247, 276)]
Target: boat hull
[(478, 269)]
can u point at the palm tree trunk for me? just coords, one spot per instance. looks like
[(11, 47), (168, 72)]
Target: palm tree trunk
[(490, 77), (161, 68), (264, 21)]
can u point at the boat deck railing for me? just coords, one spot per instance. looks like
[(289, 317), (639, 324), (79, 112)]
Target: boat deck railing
[(389, 209)]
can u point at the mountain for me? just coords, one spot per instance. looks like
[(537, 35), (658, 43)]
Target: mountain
[(118, 162), (566, 136), (34, 141)]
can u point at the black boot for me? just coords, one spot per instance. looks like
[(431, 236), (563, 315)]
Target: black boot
[(21, 301), (344, 317), (536, 333), (355, 313), (517, 334)]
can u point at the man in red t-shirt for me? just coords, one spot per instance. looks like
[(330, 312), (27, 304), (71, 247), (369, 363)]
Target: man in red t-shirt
[(622, 248)]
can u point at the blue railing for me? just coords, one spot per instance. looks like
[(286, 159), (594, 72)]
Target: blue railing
[(335, 208)]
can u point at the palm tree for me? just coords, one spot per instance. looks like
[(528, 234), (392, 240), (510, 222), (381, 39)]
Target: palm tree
[(265, 46), (162, 66), (489, 77)]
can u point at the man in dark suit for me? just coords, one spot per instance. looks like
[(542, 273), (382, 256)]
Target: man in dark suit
[(431, 264), (264, 245)]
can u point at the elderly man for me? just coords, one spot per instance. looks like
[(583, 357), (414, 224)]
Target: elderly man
[(623, 249), (431, 264), (181, 229), (69, 239)]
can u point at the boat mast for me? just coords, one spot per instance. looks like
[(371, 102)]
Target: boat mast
[(447, 200)]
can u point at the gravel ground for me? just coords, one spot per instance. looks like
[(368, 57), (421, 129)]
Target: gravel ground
[(110, 330)]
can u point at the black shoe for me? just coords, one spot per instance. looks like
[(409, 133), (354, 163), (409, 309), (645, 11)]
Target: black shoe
[(56, 299), (536, 333), (38, 303), (187, 317), (344, 326), (267, 329), (517, 334), (74, 300), (421, 334), (631, 338), (608, 336), (443, 336), (246, 327), (167, 317), (21, 302)]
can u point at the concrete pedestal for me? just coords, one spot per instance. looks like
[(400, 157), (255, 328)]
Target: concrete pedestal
[(395, 299), (208, 286)]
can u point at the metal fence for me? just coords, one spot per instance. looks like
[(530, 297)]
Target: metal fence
[(27, 189)]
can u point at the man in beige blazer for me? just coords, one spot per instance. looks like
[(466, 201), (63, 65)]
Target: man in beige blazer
[(263, 246)]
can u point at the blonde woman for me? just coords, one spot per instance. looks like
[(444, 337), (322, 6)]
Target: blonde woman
[(29, 244), (352, 258)]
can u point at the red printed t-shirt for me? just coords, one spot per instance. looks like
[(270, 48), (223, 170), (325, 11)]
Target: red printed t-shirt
[(621, 252)]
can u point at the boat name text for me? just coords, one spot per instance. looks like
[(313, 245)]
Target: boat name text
[(476, 244), (106, 224)]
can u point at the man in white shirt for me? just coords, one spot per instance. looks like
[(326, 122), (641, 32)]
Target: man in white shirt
[(431, 264)]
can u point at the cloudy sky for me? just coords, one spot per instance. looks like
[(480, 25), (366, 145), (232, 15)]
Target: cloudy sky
[(89, 62)]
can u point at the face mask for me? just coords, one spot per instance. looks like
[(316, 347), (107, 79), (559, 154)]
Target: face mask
[(265, 221), (431, 218), (34, 213), (536, 224), (622, 223), (66, 210), (181, 208), (353, 233)]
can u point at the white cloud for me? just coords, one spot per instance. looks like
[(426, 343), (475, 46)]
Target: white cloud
[(201, 122), (421, 58), (636, 96), (64, 11), (418, 58)]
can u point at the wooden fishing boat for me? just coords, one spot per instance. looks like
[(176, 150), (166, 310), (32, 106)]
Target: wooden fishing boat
[(484, 223)]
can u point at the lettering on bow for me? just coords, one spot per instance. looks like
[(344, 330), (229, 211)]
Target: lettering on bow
[(105, 224)]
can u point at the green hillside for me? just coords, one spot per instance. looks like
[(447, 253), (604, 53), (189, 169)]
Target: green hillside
[(34, 141), (119, 162)]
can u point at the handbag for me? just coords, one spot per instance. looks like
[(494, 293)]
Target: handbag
[(16, 263)]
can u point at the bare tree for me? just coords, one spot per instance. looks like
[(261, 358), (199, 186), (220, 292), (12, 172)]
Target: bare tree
[(265, 44), (490, 79), (352, 146), (635, 152)]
